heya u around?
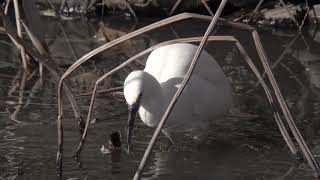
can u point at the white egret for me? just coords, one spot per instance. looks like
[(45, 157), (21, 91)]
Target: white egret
[(208, 94)]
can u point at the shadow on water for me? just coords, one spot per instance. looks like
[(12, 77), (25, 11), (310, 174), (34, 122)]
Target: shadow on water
[(246, 146)]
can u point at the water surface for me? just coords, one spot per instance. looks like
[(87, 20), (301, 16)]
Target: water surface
[(247, 147)]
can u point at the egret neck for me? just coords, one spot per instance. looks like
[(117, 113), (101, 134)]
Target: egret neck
[(143, 93)]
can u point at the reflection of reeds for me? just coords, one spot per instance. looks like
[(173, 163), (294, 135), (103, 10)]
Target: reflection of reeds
[(22, 84), (19, 85)]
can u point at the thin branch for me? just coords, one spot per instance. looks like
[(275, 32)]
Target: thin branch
[(22, 51), (102, 91), (174, 7), (7, 7), (290, 14), (204, 2)]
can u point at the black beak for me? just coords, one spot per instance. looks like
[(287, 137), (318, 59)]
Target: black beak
[(133, 109)]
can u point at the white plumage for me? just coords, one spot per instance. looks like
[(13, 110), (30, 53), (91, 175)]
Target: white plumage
[(208, 94)]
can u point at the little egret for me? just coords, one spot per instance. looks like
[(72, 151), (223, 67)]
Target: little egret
[(208, 94)]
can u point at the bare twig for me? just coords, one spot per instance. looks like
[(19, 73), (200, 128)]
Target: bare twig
[(7, 7), (102, 91), (305, 15), (17, 14), (35, 41), (204, 2), (62, 6), (290, 14), (67, 41), (174, 7), (256, 9), (131, 10)]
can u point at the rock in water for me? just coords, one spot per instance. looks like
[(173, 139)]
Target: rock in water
[(114, 143), (115, 139)]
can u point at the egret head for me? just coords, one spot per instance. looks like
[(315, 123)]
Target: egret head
[(133, 90)]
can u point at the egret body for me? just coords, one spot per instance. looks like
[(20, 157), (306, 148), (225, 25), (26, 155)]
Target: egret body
[(208, 94)]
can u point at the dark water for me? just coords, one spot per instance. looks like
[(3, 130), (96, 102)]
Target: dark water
[(246, 147)]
